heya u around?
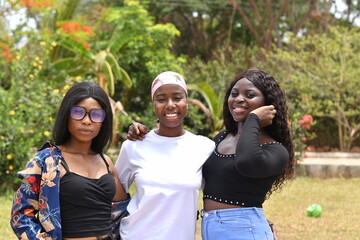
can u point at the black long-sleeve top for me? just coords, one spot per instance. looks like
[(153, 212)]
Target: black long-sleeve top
[(245, 177)]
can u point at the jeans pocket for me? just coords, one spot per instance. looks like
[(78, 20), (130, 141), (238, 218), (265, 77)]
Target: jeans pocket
[(239, 223)]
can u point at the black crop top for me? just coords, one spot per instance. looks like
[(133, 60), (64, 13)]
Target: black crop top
[(85, 204), (245, 177)]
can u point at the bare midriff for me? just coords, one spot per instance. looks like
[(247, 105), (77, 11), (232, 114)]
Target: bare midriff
[(213, 205), (86, 238)]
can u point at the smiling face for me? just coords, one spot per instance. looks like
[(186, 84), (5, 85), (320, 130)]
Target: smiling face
[(85, 130), (244, 97), (170, 105)]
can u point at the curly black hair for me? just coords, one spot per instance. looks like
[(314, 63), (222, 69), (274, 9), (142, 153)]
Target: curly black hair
[(279, 129)]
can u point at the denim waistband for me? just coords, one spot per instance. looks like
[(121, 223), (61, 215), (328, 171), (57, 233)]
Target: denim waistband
[(232, 211)]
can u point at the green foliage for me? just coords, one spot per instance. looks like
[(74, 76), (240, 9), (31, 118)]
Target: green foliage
[(214, 103), (28, 116), (196, 122), (63, 49), (218, 72), (210, 79), (28, 104), (325, 70), (142, 47)]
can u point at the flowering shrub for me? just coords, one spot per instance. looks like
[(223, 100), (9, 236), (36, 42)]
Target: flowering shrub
[(28, 104), (5, 50), (37, 4), (77, 31), (306, 121), (27, 123), (300, 126)]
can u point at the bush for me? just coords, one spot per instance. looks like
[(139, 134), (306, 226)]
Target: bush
[(28, 105)]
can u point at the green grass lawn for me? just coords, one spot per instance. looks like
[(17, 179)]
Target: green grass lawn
[(6, 232), (339, 199)]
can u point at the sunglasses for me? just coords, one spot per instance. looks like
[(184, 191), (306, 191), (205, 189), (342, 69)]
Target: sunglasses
[(96, 115)]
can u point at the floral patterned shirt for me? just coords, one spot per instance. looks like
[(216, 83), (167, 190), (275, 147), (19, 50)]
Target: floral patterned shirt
[(35, 213)]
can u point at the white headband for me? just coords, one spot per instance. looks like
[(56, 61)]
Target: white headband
[(167, 77)]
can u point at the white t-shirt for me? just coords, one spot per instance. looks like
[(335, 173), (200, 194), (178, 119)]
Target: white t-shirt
[(167, 172)]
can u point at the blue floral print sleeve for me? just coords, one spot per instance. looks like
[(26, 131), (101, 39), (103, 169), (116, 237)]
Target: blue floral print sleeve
[(35, 213)]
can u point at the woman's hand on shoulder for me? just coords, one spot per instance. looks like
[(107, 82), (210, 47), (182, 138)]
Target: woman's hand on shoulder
[(266, 114), (137, 131)]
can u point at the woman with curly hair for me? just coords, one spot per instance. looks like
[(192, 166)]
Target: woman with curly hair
[(253, 157)]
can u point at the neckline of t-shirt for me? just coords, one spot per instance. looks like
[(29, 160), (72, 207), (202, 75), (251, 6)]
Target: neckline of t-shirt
[(168, 138)]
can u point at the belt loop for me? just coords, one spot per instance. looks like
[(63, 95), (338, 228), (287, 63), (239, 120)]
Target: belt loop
[(258, 212), (202, 213), (216, 216)]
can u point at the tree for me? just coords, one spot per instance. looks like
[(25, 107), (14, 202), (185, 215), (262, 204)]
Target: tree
[(351, 13), (268, 21), (321, 74)]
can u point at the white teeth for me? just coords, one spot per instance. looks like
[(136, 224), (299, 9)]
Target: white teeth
[(171, 115)]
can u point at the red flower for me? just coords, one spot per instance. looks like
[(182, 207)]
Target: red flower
[(86, 45), (87, 29), (306, 121), (35, 184)]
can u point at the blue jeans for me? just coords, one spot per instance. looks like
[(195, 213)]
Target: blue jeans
[(235, 224)]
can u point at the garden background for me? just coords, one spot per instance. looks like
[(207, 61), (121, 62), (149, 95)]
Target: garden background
[(311, 47)]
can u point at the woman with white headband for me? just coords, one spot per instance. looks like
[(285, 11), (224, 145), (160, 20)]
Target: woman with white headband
[(253, 158), (166, 167)]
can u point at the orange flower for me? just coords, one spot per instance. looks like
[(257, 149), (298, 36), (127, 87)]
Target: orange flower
[(305, 99), (27, 3), (6, 53), (42, 4), (86, 45), (88, 30), (35, 3), (71, 27)]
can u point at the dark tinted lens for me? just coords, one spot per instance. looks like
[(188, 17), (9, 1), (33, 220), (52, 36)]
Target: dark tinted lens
[(77, 112), (97, 115)]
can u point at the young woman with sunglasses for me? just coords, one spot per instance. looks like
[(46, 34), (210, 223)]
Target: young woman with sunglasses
[(68, 188)]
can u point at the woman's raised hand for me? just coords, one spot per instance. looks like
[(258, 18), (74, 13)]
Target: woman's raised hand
[(266, 115)]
